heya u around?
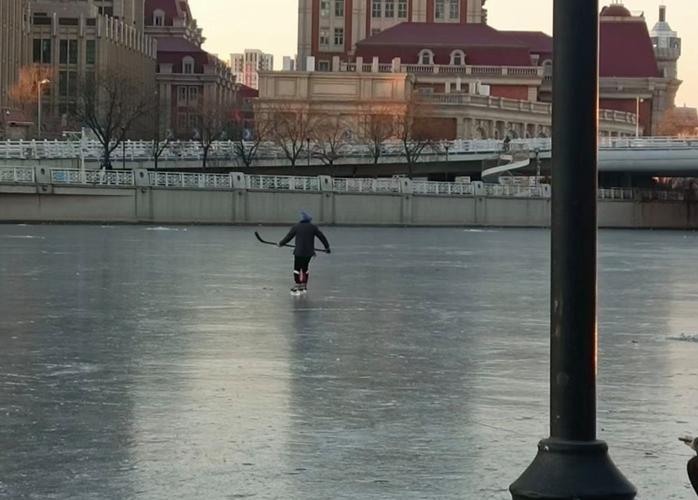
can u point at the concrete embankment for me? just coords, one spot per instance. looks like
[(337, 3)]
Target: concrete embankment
[(139, 204)]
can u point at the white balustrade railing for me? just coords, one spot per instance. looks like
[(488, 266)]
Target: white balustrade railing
[(282, 183), (112, 178), (343, 185), (17, 175), (225, 150), (190, 181), (626, 194), (512, 191), (522, 187), (534, 72), (443, 188)]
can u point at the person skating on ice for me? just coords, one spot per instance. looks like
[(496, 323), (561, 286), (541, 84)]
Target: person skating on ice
[(305, 233)]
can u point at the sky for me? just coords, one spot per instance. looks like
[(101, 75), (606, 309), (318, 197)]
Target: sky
[(272, 25)]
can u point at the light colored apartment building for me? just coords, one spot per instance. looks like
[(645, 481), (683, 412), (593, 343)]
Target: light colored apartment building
[(246, 66), (74, 40), (128, 11)]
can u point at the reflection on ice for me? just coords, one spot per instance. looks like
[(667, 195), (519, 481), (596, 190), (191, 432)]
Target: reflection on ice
[(150, 363)]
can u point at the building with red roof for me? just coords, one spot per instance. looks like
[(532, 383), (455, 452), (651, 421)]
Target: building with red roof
[(472, 57), (643, 79), (469, 80), (190, 80), (329, 28)]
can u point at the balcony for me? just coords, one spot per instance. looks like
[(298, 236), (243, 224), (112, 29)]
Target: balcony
[(528, 72)]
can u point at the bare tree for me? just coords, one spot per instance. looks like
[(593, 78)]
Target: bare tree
[(248, 132), (110, 104), (331, 137), (213, 122), (375, 129), (160, 135), (677, 122), (412, 134), (291, 130)]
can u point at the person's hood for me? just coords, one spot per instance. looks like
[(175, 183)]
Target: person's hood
[(305, 216)]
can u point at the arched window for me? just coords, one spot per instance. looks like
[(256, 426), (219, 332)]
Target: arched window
[(188, 65), (457, 58), (158, 17), (426, 57), (548, 67)]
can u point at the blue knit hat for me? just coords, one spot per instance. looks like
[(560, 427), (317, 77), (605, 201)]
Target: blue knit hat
[(305, 216)]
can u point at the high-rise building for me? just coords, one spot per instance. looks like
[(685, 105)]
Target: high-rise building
[(14, 31), (128, 11), (73, 40), (246, 66), (328, 28)]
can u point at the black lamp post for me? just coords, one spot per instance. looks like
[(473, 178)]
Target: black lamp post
[(572, 463), (307, 141), (123, 148)]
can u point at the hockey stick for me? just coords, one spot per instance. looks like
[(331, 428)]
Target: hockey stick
[(261, 240)]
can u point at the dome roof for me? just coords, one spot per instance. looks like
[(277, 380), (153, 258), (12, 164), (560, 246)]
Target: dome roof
[(615, 10)]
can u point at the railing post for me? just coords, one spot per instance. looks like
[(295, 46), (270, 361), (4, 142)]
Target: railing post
[(572, 463)]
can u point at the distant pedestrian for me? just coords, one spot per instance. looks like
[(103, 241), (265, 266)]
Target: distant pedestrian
[(305, 233), (507, 144)]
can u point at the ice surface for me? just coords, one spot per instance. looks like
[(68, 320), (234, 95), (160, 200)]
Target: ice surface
[(175, 364)]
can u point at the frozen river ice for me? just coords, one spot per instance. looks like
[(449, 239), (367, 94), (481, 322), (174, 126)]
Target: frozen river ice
[(172, 363)]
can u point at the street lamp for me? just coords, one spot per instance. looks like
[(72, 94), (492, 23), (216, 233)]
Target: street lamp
[(307, 140), (5, 118), (41, 83), (638, 100), (573, 463)]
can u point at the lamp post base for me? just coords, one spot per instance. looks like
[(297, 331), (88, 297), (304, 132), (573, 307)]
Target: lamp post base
[(565, 470)]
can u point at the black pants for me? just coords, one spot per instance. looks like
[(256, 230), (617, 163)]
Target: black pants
[(300, 269)]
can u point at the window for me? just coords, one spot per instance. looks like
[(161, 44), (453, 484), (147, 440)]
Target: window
[(325, 8), (325, 36), (457, 58), (339, 36), (454, 9), (439, 8), (375, 31), (402, 9), (547, 67), (181, 96), (42, 51), (390, 8), (339, 8), (68, 52), (63, 83), (67, 84), (426, 57), (188, 65), (158, 18), (323, 66), (91, 52), (41, 19), (193, 96), (377, 10)]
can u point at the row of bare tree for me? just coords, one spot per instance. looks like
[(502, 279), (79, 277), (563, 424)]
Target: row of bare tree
[(299, 132), (116, 106)]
